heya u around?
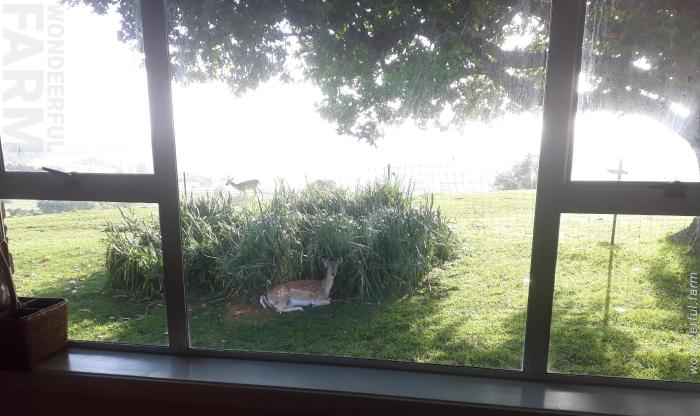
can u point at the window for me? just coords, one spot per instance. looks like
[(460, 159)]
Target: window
[(637, 94), (81, 250), (471, 191), (298, 164), (624, 302), (66, 109)]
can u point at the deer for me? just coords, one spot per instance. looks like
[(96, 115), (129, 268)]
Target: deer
[(245, 186), (301, 294)]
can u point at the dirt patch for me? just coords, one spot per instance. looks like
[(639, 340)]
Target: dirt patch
[(235, 310)]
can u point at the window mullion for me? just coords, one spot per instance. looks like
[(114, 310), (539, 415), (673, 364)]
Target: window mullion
[(155, 40), (81, 187), (634, 198), (563, 66)]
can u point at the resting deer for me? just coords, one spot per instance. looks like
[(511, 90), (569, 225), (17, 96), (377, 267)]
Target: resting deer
[(300, 294), (244, 187)]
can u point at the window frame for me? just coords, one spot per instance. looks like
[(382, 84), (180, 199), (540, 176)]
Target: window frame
[(556, 194)]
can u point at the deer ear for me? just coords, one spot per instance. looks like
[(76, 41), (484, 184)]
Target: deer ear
[(325, 262), (340, 261)]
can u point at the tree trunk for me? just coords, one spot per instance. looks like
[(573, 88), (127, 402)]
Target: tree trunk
[(691, 234)]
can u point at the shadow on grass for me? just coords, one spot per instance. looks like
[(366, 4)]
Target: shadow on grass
[(669, 272), (649, 345), (425, 326), (97, 313), (581, 344)]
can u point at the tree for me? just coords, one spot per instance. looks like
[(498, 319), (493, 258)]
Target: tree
[(648, 62), (377, 62), (522, 175), (381, 62)]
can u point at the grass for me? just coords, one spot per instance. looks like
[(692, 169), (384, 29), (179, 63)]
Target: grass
[(62, 255), (644, 329), (470, 311), (388, 239)]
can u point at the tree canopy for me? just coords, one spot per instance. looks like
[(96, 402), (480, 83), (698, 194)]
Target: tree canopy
[(381, 62), (642, 57)]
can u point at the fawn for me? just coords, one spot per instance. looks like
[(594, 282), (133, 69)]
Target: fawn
[(300, 294), (244, 187)]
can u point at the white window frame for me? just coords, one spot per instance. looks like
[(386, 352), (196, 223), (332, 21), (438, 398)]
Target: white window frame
[(556, 195)]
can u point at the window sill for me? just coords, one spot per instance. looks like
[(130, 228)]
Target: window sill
[(214, 381)]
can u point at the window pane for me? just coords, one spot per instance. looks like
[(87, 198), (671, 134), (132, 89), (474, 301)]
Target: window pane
[(312, 120), (87, 253), (639, 92), (626, 309), (401, 138), (75, 97)]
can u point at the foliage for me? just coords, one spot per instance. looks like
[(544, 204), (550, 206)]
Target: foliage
[(20, 167), (133, 255), (48, 207), (664, 34), (388, 244), (522, 175), (21, 212), (378, 63)]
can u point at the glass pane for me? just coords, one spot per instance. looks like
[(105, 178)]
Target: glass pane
[(87, 252), (376, 134), (629, 308), (639, 92), (75, 97), (400, 138)]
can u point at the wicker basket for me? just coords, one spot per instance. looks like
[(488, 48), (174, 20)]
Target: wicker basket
[(39, 333)]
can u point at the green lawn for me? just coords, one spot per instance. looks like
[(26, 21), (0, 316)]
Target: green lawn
[(469, 312), (63, 255)]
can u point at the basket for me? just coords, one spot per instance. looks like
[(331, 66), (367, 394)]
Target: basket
[(40, 332)]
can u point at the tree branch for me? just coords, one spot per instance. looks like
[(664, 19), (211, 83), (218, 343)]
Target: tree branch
[(518, 90), (491, 30), (298, 34), (515, 59)]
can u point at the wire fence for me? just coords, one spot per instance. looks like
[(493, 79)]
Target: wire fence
[(423, 178), (467, 196)]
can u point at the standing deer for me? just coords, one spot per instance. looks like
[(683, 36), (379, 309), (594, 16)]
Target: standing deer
[(244, 187), (299, 294)]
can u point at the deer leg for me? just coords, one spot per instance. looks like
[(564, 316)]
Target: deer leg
[(322, 302), (287, 306)]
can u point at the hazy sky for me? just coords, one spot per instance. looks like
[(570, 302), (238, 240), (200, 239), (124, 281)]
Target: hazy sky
[(275, 131)]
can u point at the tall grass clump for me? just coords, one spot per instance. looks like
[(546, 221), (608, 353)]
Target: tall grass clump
[(388, 238), (134, 259)]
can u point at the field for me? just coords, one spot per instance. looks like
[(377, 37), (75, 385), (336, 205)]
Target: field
[(470, 311)]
